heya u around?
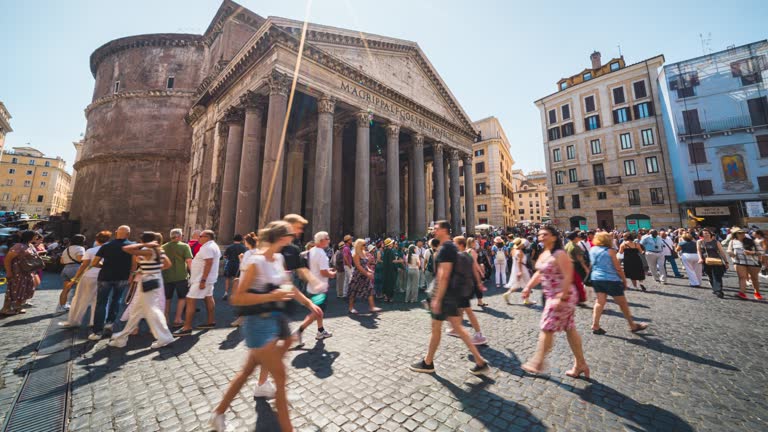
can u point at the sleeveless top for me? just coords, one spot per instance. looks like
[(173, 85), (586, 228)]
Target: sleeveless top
[(270, 273), (151, 267), (602, 265), (710, 250)]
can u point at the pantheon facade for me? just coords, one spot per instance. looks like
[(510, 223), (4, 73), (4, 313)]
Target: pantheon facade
[(224, 130)]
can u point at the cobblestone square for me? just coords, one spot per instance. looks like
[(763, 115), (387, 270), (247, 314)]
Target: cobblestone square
[(698, 367)]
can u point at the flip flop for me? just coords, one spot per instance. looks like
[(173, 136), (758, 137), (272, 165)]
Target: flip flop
[(599, 331), (639, 328)]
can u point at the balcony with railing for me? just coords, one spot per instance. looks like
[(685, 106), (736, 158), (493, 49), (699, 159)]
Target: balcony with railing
[(613, 180), (717, 126), (600, 180)]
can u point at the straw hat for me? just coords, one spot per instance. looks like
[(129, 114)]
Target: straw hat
[(518, 241), (498, 240), (388, 242), (347, 238), (371, 248), (736, 230)]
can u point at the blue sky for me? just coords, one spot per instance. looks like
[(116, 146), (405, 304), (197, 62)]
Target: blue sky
[(497, 57)]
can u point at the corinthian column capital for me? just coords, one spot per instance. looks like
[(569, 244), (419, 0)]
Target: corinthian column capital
[(278, 83), (467, 158), (393, 130), (253, 101), (363, 119), (418, 140), (453, 154), (326, 105), (234, 114), (438, 147)]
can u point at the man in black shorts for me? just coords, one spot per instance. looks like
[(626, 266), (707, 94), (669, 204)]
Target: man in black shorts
[(445, 304)]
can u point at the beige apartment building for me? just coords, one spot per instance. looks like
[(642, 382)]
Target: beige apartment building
[(32, 183), (531, 197), (605, 148), (5, 125)]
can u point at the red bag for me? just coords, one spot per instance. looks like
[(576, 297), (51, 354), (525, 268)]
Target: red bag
[(579, 287)]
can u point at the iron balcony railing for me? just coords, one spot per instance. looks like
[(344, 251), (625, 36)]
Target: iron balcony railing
[(718, 125)]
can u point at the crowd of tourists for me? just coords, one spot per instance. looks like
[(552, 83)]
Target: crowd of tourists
[(115, 283)]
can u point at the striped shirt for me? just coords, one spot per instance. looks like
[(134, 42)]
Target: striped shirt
[(152, 265)]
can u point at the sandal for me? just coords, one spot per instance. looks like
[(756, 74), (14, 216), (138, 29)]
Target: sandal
[(576, 373), (353, 312), (599, 331), (639, 328)]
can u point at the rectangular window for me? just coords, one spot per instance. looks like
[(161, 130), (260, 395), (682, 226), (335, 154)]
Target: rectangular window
[(697, 153), (621, 115), (657, 195), (552, 116), (762, 145), (556, 155), (587, 76), (647, 136), (602, 195), (640, 91), (563, 85), (572, 177), (691, 122), (599, 174), (589, 103), (6, 197), (570, 152), (618, 96), (575, 202), (643, 110), (461, 171), (626, 141), (27, 183), (592, 122), (45, 173), (482, 207), (14, 160), (566, 111), (29, 172), (595, 145), (42, 184), (614, 66), (479, 167), (48, 163), (702, 187), (567, 129), (634, 197), (629, 168), (11, 171), (684, 84), (651, 165), (461, 190), (31, 161), (554, 133), (558, 177), (39, 198), (521, 211), (750, 70), (480, 189), (9, 182), (762, 183), (561, 203), (169, 83), (758, 110), (116, 87), (479, 152)]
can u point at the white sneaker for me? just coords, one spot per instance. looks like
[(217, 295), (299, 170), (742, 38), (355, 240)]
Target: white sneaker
[(94, 337), (479, 339), (450, 332), (60, 309), (266, 390), (66, 306), (118, 343), (323, 335), (159, 344), (216, 423)]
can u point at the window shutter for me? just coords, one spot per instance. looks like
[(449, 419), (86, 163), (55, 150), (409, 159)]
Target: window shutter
[(636, 110), (650, 109), (616, 117), (629, 115), (586, 123), (597, 119)]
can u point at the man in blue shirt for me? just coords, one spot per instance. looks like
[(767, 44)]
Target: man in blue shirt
[(654, 254)]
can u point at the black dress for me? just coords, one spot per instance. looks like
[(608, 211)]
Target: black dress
[(633, 265)]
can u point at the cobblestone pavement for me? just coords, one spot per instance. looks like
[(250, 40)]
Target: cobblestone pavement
[(700, 366)]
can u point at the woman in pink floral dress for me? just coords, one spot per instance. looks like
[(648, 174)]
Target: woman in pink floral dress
[(554, 271)]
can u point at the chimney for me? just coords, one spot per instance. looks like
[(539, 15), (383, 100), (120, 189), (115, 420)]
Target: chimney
[(595, 57)]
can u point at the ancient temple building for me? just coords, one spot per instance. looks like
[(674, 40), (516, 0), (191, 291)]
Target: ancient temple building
[(208, 131)]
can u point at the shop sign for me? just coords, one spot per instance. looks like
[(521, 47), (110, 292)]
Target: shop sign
[(713, 211), (755, 208)]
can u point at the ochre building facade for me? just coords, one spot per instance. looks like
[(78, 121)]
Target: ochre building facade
[(231, 138), (33, 183)]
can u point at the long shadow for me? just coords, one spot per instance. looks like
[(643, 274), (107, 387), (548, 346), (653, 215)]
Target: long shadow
[(669, 294), (631, 304), (232, 340), (615, 313), (478, 401), (266, 419), (369, 321), (317, 359), (30, 320), (496, 313), (648, 416), (508, 363), (646, 341)]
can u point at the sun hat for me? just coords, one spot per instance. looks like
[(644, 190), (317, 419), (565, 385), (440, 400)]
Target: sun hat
[(388, 242)]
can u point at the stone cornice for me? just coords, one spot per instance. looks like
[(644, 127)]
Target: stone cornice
[(140, 41), (226, 11), (271, 35), (138, 156), (136, 94)]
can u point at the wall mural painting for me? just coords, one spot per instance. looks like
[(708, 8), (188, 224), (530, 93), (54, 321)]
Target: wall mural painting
[(733, 168)]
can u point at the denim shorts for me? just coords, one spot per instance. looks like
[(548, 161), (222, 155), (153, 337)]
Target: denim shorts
[(612, 288), (69, 271), (259, 330)]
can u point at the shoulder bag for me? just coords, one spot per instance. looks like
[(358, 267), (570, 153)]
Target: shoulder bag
[(711, 261), (30, 261), (152, 284)]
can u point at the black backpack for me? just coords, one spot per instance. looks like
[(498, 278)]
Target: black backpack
[(463, 277), (431, 262)]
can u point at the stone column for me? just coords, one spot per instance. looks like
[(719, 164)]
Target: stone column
[(469, 193), (337, 212), (234, 118), (321, 206), (250, 165), (294, 172), (272, 174), (393, 179), (362, 175), (446, 188), (437, 167), (455, 199), (419, 200)]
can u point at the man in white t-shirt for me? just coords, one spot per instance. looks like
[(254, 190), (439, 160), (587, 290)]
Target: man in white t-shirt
[(317, 289), (203, 274)]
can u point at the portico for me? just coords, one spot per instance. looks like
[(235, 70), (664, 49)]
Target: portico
[(356, 142)]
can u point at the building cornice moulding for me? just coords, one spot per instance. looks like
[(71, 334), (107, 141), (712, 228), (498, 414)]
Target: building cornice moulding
[(137, 94), (133, 157), (140, 41)]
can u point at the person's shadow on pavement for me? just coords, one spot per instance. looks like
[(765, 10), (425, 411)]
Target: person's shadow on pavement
[(317, 359)]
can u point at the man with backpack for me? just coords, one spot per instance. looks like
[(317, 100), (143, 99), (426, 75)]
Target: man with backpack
[(445, 301), (429, 263)]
